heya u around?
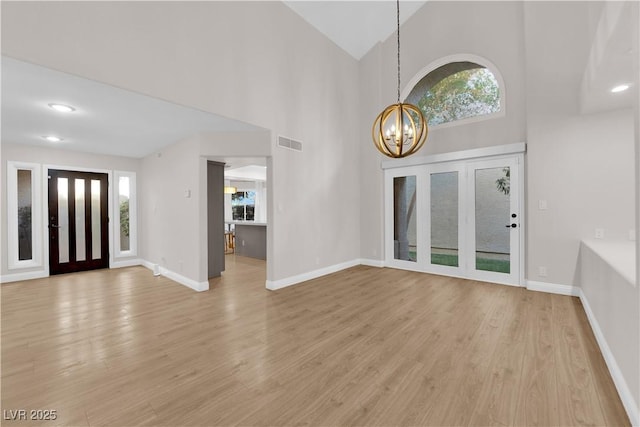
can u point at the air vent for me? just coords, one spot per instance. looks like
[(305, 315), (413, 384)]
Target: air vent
[(289, 143)]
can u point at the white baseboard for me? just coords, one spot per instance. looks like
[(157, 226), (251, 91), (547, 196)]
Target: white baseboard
[(126, 263), (628, 401), (16, 277), (553, 288), (190, 283), (371, 262), (273, 285)]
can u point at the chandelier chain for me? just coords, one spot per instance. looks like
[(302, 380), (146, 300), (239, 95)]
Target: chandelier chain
[(398, 38)]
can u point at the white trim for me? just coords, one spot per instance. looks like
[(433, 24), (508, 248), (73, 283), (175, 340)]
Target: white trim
[(476, 153), (553, 288), (628, 401), (13, 263), (148, 264), (371, 262), (126, 263), (273, 285), (18, 277), (178, 278)]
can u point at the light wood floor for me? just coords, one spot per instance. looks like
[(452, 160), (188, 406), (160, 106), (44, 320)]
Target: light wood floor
[(364, 346)]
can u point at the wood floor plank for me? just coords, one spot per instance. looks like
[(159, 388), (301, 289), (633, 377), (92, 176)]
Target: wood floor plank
[(538, 392), (497, 399), (364, 346), (577, 398)]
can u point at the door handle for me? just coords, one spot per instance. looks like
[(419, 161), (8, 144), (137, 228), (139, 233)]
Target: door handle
[(514, 225), (55, 226)]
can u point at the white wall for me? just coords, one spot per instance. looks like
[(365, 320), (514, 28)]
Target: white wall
[(492, 30), (582, 165), (170, 207), (254, 61), (51, 156)]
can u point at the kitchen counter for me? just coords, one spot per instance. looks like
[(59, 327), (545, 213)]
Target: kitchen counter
[(250, 238)]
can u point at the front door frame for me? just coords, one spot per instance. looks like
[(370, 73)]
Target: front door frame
[(73, 264), (392, 168), (45, 206)]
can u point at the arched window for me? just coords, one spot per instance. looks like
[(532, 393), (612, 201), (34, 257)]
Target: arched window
[(456, 91)]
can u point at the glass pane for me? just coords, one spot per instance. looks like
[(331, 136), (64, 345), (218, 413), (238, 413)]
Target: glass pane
[(63, 220), (24, 215), (444, 219), (456, 91), (250, 213), (96, 237), (404, 218), (238, 213), (81, 242), (123, 198), (492, 215)]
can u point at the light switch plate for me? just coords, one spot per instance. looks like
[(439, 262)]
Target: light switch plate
[(542, 205)]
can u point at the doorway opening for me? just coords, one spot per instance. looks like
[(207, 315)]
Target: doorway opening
[(244, 190)]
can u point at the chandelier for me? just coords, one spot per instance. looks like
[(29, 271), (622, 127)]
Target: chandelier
[(400, 130)]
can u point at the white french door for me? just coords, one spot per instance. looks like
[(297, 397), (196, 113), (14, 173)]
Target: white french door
[(493, 221), (460, 218)]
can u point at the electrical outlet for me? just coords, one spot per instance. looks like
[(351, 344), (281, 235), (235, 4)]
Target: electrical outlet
[(242, 242), (542, 205), (542, 271), (599, 233)]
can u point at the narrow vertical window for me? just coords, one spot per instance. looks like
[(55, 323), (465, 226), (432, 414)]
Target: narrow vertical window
[(24, 215), (123, 199), (124, 207), (25, 206)]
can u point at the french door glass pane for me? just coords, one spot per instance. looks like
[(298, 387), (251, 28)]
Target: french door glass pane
[(492, 188), (63, 220), (81, 246), (96, 236), (123, 198), (444, 219), (24, 215), (404, 218)]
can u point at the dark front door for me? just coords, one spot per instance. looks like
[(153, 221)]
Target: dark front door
[(78, 221)]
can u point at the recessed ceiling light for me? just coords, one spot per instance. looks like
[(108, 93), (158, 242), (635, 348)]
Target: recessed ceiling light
[(62, 108), (52, 138), (620, 88)]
